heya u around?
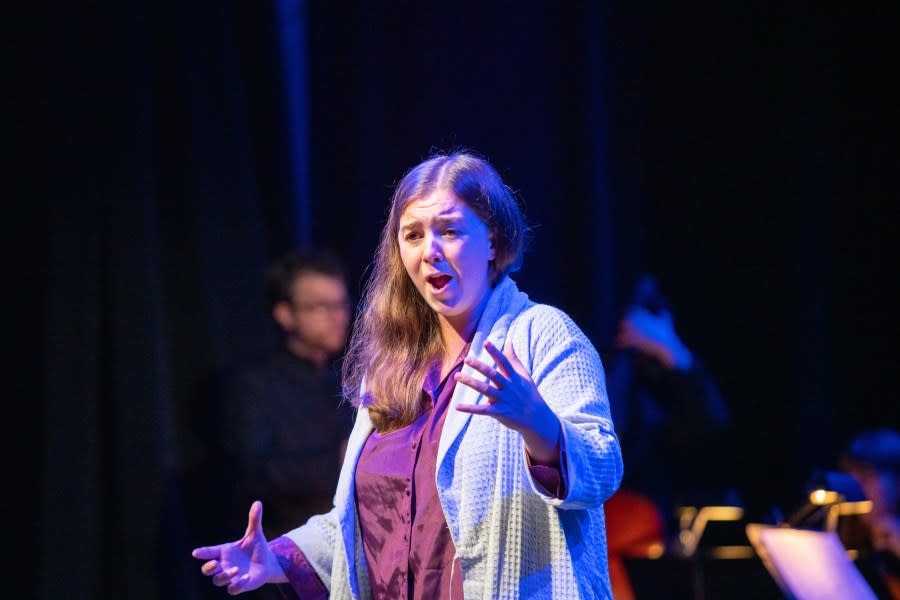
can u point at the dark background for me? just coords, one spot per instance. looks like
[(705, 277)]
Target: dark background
[(162, 153)]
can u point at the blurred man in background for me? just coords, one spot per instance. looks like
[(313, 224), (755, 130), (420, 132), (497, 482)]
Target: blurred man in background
[(275, 428), (286, 426)]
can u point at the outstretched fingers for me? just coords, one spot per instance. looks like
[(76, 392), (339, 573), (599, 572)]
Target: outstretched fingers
[(493, 375), (206, 552), (211, 568), (225, 577), (502, 361), (481, 387), (476, 409), (254, 519), (509, 353), (239, 585)]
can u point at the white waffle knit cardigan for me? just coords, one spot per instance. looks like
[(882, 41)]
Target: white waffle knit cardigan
[(512, 539)]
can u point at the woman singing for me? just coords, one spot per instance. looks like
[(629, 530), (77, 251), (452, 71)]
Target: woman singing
[(483, 448)]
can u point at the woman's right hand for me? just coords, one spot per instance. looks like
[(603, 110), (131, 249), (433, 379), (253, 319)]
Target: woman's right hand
[(245, 564)]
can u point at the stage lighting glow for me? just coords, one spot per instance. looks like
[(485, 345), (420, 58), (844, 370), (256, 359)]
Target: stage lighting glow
[(655, 550), (848, 509), (822, 497), (693, 522)]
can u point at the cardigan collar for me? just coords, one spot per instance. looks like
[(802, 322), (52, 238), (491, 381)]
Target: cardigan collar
[(504, 304)]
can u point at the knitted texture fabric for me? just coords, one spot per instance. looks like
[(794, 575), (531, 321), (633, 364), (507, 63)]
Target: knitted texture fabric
[(513, 540)]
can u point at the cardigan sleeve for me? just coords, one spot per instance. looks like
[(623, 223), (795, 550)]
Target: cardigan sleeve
[(303, 582), (317, 540), (568, 373)]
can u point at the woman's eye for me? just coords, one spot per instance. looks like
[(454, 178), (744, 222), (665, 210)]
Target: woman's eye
[(451, 232), (411, 236)]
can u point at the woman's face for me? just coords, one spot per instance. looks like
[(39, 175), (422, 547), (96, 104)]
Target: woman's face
[(446, 249)]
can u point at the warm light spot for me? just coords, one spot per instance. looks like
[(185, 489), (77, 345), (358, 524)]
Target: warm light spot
[(693, 523), (686, 516), (848, 509), (723, 513), (824, 497), (655, 550), (732, 552)]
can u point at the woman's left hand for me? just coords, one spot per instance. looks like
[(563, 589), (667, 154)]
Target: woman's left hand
[(514, 400)]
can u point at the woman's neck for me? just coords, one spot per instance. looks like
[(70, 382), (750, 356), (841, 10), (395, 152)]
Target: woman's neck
[(454, 344), (457, 334)]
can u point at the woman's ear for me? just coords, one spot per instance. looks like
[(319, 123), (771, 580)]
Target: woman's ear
[(493, 254)]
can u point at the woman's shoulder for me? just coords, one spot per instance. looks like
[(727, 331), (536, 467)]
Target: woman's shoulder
[(545, 320), (545, 337), (545, 315)]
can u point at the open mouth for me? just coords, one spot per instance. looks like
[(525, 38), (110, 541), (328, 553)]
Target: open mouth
[(438, 282)]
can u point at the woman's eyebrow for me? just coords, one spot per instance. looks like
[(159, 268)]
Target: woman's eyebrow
[(453, 217), (409, 223)]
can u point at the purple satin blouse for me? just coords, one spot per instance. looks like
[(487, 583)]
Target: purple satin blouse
[(405, 537)]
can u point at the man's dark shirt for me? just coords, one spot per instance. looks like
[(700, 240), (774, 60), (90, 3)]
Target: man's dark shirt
[(286, 426)]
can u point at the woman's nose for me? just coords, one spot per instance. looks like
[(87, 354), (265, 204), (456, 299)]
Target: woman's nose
[(433, 251)]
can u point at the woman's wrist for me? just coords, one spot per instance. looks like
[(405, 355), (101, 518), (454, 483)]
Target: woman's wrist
[(542, 441)]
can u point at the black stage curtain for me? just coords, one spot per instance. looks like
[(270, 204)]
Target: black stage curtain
[(162, 184), (169, 150)]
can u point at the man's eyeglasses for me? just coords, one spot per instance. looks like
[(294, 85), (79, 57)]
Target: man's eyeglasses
[(323, 308)]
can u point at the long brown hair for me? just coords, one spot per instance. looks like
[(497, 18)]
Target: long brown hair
[(396, 337)]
